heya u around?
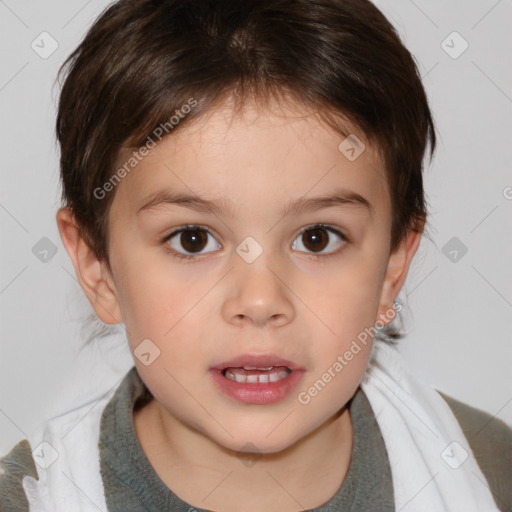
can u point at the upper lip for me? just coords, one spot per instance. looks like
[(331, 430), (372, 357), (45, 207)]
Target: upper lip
[(257, 361)]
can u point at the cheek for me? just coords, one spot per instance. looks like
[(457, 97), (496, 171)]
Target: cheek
[(151, 298), (340, 359), (349, 299), (347, 306)]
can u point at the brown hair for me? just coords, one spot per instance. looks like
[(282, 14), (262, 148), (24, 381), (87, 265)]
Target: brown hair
[(143, 60)]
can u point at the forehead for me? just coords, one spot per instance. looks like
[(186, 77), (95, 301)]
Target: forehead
[(275, 152)]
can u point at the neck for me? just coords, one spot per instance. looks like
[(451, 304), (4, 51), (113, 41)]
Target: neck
[(207, 475)]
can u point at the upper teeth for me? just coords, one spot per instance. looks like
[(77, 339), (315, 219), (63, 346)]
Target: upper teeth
[(272, 376)]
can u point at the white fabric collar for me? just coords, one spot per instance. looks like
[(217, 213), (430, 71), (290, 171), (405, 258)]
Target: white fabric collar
[(432, 464)]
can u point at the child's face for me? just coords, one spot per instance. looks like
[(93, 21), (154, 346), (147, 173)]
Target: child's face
[(290, 302)]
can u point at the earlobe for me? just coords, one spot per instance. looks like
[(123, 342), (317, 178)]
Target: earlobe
[(396, 274), (92, 274)]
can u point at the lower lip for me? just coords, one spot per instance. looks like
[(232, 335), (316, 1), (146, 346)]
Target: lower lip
[(257, 393)]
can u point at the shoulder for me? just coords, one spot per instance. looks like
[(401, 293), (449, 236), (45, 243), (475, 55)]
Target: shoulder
[(491, 441), (479, 426), (34, 474), (17, 464)]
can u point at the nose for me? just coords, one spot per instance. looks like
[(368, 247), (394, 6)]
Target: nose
[(258, 294)]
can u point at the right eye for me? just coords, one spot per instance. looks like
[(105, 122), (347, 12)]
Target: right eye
[(193, 239)]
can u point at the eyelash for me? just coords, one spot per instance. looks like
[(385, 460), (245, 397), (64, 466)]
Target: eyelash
[(189, 257)]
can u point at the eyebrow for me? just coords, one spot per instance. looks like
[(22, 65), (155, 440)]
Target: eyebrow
[(225, 207)]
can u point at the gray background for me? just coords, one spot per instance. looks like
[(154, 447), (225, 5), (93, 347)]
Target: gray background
[(457, 306)]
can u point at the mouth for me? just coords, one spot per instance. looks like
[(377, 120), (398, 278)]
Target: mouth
[(260, 379)]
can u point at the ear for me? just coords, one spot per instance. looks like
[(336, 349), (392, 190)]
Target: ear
[(396, 274), (93, 275)]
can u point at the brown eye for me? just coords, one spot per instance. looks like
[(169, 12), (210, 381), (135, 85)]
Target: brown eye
[(192, 240), (317, 238)]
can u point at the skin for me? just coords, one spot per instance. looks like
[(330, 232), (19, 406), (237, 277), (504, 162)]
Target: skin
[(303, 305)]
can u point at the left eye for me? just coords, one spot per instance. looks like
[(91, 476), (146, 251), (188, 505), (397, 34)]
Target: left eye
[(317, 238)]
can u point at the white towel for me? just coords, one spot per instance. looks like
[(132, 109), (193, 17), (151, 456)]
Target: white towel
[(432, 465), (71, 482)]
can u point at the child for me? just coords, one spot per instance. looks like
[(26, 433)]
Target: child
[(207, 148)]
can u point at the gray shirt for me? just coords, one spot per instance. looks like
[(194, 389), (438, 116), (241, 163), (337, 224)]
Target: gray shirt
[(132, 485)]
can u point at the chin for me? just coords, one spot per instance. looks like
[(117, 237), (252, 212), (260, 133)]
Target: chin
[(257, 443)]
